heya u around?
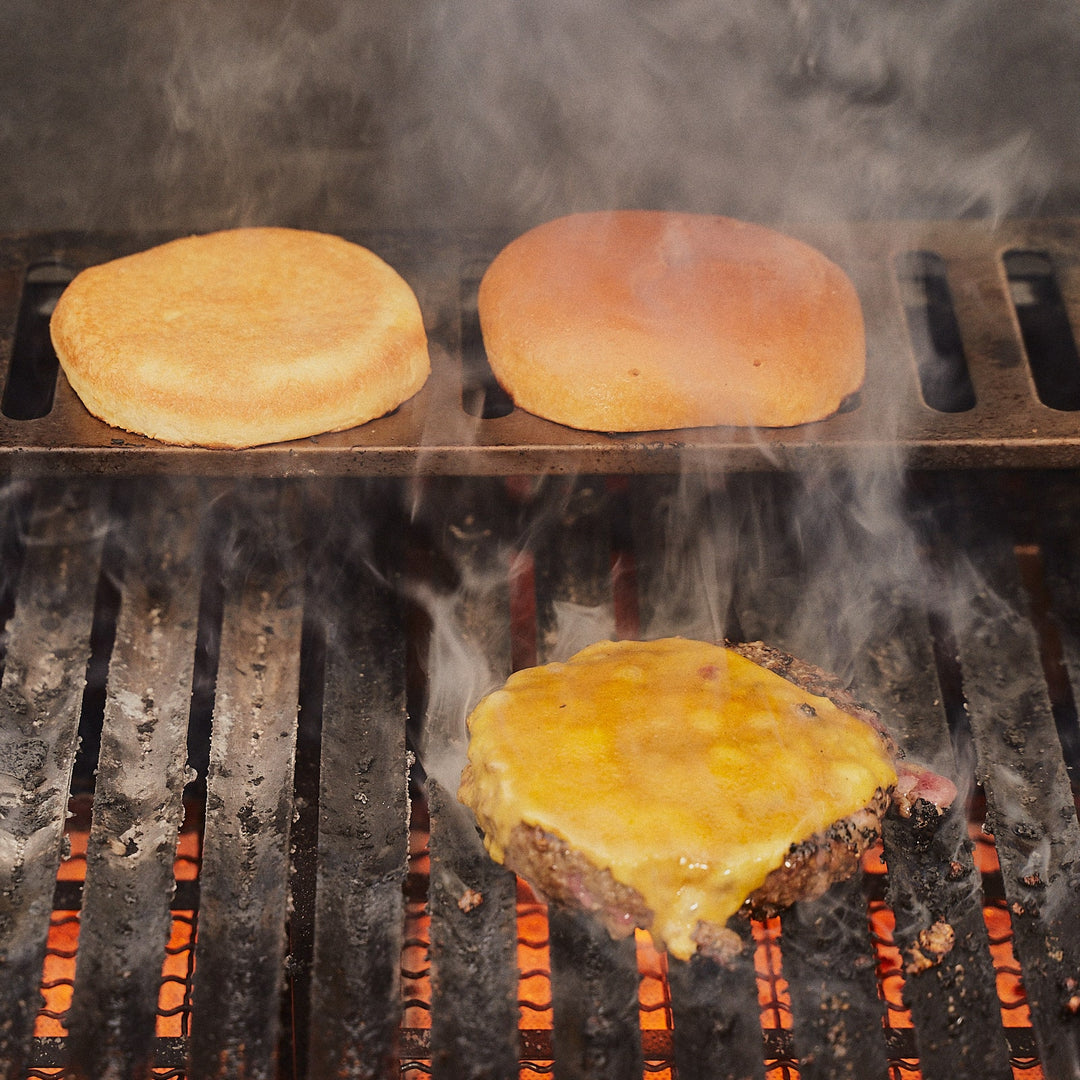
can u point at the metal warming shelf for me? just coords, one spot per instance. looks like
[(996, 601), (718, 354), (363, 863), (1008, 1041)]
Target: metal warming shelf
[(1003, 424)]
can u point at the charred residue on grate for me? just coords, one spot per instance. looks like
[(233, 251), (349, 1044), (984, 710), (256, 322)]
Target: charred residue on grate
[(44, 671), (932, 879), (1056, 603), (244, 882), (474, 1008), (363, 789), (141, 774), (1031, 811)]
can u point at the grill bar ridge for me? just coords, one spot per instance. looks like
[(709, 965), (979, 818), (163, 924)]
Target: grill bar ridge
[(351, 554)]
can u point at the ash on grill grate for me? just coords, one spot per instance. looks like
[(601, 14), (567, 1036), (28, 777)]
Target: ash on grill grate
[(933, 880), (258, 553), (363, 791), (244, 885), (137, 799), (46, 655), (473, 928), (303, 887), (1030, 810)]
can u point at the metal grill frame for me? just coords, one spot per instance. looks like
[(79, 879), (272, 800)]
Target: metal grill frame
[(305, 880)]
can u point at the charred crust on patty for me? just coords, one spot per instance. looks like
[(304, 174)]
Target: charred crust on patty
[(814, 680), (562, 874), (813, 865)]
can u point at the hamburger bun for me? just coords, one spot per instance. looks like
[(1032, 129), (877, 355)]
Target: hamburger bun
[(640, 320), (668, 784), (241, 337)]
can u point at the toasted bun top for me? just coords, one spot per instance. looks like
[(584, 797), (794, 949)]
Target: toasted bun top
[(241, 337), (684, 768), (638, 320)]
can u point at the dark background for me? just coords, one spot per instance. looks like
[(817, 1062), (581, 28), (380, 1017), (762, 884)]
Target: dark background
[(191, 115)]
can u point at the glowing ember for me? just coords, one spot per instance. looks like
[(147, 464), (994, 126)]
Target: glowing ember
[(534, 962), (657, 1016)]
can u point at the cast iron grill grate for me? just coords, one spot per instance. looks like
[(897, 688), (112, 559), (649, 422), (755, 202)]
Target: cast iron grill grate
[(534, 996), (267, 660)]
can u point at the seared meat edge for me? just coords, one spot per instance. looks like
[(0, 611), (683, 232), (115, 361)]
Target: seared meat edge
[(563, 874)]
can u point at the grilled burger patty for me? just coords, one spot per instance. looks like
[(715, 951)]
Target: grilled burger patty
[(667, 785), (560, 873)]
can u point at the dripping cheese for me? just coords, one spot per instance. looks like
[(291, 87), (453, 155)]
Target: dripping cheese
[(683, 768)]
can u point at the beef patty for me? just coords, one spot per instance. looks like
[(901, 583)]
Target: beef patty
[(669, 785)]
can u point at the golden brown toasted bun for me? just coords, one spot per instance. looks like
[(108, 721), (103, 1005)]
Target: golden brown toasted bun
[(241, 337), (640, 320)]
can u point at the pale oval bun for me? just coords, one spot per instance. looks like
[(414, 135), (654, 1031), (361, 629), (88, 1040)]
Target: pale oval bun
[(241, 337), (642, 320)]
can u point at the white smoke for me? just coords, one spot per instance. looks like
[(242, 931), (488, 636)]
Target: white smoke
[(483, 112)]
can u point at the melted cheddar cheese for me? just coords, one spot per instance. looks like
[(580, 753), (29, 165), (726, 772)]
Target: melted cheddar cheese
[(685, 769)]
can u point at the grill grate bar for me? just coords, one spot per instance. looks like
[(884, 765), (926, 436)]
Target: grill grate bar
[(1031, 812), (363, 798), (137, 802), (838, 1020), (473, 923), (244, 890), (594, 984), (1059, 544), (718, 1032), (954, 1003), (474, 1015), (47, 652)]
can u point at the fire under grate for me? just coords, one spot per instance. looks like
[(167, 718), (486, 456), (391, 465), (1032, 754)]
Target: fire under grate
[(534, 972), (227, 684)]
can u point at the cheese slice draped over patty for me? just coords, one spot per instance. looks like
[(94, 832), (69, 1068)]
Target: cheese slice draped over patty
[(685, 769)]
